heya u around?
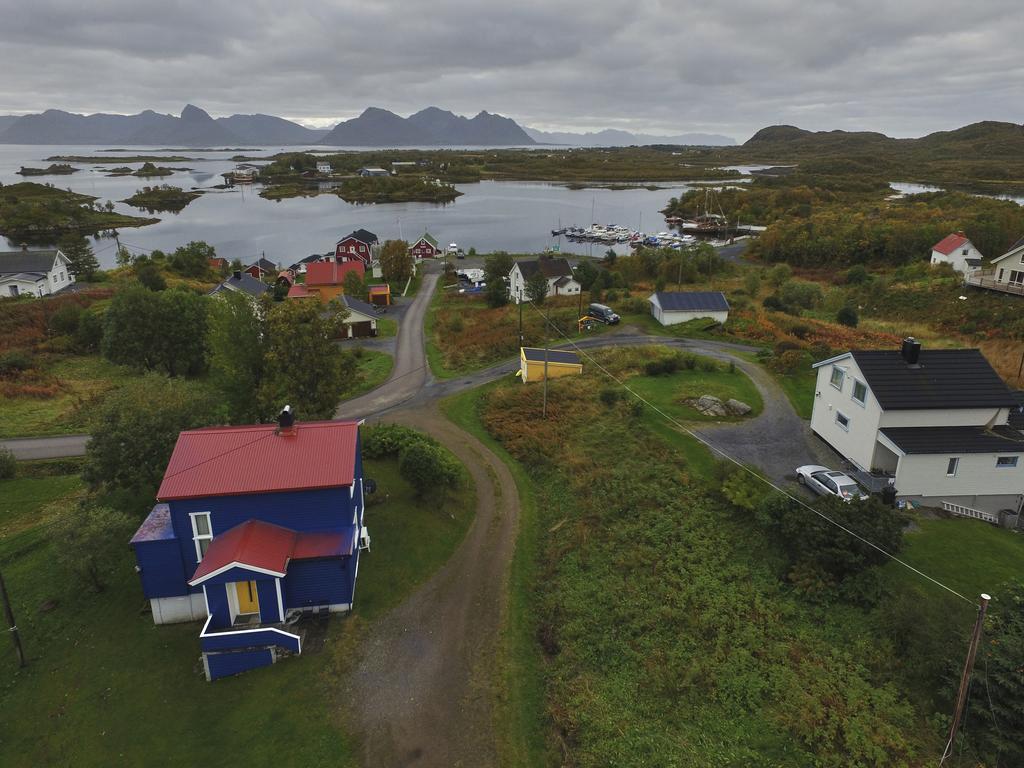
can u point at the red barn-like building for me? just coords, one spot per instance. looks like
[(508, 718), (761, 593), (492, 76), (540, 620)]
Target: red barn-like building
[(358, 245), (425, 248)]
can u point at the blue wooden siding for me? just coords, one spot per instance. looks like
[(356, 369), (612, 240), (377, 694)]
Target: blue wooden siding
[(226, 664), (266, 589), (256, 638), (319, 582), (161, 569), (217, 603), (316, 510)]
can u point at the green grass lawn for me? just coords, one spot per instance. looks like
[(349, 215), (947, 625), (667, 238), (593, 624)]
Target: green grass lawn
[(668, 391), (799, 388), (374, 368), (85, 379), (386, 327), (104, 686)]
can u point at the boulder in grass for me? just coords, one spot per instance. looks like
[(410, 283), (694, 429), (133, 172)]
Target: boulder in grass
[(737, 407), (710, 405)]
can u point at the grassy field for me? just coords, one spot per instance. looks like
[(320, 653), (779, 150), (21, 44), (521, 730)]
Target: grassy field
[(652, 622), (386, 328), (668, 392), (82, 380), (799, 388), (373, 369), (107, 687)]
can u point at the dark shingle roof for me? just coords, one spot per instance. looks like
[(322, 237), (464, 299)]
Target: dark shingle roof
[(362, 235), (1016, 419), (943, 378), (358, 305), (246, 284), (535, 355), (12, 262), (264, 264), (549, 267), (954, 440), (693, 301)]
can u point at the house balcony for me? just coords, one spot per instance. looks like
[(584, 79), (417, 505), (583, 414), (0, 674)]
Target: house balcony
[(986, 278)]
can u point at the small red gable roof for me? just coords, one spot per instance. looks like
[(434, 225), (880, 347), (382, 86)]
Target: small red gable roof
[(298, 291), (950, 243), (332, 272), (380, 290), (267, 548), (231, 461)]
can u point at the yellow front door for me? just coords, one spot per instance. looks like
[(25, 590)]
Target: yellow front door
[(248, 601)]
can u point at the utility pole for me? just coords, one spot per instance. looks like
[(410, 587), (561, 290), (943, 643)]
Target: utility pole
[(9, 613), (1020, 368), (520, 303), (965, 679)]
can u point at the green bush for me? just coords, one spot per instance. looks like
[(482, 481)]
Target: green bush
[(426, 467), (610, 396), (65, 320), (390, 439), (847, 316), (8, 464), (89, 334), (796, 293), (857, 275), (14, 362)]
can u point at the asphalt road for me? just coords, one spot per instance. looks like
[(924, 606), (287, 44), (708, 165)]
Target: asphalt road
[(57, 447)]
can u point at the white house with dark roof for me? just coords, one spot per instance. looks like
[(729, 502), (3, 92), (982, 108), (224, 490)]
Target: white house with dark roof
[(674, 307), (557, 271), (939, 424), (242, 282), (36, 273), (957, 251)]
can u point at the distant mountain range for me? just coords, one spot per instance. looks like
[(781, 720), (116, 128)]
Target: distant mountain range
[(373, 128), (613, 138)]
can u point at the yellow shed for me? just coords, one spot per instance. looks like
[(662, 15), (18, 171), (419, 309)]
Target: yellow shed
[(560, 363)]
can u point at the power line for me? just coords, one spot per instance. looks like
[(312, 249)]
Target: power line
[(747, 469)]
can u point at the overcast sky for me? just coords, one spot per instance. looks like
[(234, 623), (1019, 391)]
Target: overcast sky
[(904, 67)]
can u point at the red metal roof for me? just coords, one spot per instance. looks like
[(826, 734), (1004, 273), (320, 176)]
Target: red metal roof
[(379, 289), (298, 291), (950, 243), (229, 461), (267, 547), (331, 272)]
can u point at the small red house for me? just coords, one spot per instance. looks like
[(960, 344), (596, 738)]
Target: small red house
[(358, 245), (380, 295), (425, 248), (261, 269)]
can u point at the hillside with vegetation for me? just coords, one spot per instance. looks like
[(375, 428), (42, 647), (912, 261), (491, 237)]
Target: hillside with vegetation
[(37, 212)]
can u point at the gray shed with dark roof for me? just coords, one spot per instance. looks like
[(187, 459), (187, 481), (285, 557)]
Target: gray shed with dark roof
[(674, 307)]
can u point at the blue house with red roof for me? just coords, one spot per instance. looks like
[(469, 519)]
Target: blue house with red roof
[(254, 527)]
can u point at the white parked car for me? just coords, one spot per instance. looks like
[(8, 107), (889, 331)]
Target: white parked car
[(830, 482)]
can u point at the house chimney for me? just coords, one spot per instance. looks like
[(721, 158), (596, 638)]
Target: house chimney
[(286, 421), (911, 351), (237, 274)]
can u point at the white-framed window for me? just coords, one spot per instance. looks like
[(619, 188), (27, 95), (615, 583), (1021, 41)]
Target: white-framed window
[(1006, 462), (860, 392), (952, 466), (843, 421), (202, 533), (838, 374)]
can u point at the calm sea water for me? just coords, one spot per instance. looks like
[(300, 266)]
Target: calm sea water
[(512, 216)]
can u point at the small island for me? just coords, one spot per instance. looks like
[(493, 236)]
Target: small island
[(148, 170), (103, 159), (162, 198), (42, 213), (370, 189), (55, 169)]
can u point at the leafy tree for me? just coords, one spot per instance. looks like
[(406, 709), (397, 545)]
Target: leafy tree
[(353, 285), (396, 263), (815, 545), (303, 366), (779, 274), (83, 262), (237, 344), (192, 260), (65, 320), (610, 256), (586, 274), (135, 429), (426, 467), (537, 288), (998, 698), (847, 316), (90, 540), (857, 275), (148, 274), (497, 267), (89, 334), (796, 293), (752, 282), (163, 331), (124, 256)]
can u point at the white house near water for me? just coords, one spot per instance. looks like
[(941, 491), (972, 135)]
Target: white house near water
[(957, 251), (322, 166), (939, 424), (37, 273), (1008, 269), (557, 271), (671, 308)]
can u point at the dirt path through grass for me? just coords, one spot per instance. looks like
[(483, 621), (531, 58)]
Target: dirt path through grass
[(428, 679)]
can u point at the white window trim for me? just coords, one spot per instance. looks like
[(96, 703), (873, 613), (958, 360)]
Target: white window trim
[(845, 428), (956, 466), (862, 403), (842, 377), (1016, 461), (196, 536)]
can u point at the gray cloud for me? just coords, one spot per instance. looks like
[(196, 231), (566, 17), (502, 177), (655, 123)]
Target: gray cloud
[(657, 66)]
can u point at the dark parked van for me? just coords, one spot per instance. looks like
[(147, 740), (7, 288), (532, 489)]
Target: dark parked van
[(603, 313)]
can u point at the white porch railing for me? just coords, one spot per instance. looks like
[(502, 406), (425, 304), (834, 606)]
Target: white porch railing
[(977, 514)]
